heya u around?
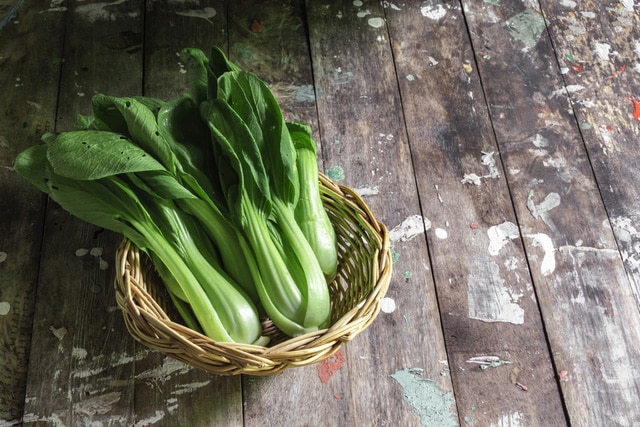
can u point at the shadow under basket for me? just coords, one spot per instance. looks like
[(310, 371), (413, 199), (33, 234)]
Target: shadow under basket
[(364, 273)]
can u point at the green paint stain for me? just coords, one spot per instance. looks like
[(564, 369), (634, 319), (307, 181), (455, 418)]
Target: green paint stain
[(527, 26), (494, 2), (243, 51), (433, 405), (407, 274), (304, 93), (336, 173), (586, 126), (395, 256), (5, 277)]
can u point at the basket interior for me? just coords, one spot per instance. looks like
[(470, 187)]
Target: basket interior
[(364, 270)]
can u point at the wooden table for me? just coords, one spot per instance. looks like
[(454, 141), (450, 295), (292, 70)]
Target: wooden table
[(503, 136)]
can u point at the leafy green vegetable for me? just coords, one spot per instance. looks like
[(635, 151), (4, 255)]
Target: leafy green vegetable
[(215, 187), (264, 190), (309, 212), (121, 203)]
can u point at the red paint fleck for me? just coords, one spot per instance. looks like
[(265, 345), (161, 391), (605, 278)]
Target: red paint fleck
[(578, 68), (337, 396), (622, 68), (256, 26), (563, 375), (636, 109), (330, 366), (608, 128), (473, 226)]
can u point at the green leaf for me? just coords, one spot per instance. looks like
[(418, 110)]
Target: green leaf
[(89, 155), (238, 144), (32, 164), (140, 125), (188, 136), (256, 106), (197, 63)]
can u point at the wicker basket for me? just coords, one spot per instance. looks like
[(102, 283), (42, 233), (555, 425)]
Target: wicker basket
[(364, 272)]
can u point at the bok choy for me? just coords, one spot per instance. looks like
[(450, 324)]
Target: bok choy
[(215, 187)]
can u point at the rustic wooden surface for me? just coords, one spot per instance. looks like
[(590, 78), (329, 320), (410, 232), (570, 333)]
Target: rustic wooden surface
[(508, 129)]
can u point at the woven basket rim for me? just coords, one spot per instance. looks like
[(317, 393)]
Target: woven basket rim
[(149, 324)]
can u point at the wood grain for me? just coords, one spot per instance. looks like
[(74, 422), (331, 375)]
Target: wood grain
[(597, 52), (30, 55), (485, 290), (270, 39), (81, 359), (593, 327), (364, 139), (166, 391), (506, 129)]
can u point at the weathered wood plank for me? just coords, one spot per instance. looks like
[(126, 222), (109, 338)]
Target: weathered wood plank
[(30, 54), (270, 39), (485, 292), (82, 358), (397, 368), (597, 48), (168, 392), (590, 316)]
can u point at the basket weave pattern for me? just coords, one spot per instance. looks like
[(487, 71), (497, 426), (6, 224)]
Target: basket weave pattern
[(364, 273)]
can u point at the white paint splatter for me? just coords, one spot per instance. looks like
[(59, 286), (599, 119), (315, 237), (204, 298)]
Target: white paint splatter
[(96, 252), (163, 372), (409, 228), (542, 209), (540, 141), (500, 235), (102, 264), (488, 297), (410, 77), (434, 11), (158, 416), (628, 5), (624, 229), (3, 256), (441, 233), (387, 4), (363, 13), (190, 387), (55, 6), (569, 89), (568, 3), (79, 353), (387, 305), (5, 308), (58, 332), (376, 22), (207, 13), (99, 11), (101, 404), (511, 419), (82, 252), (548, 264), (357, 3), (602, 50), (488, 160), (551, 201), (511, 263), (368, 191), (471, 178)]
